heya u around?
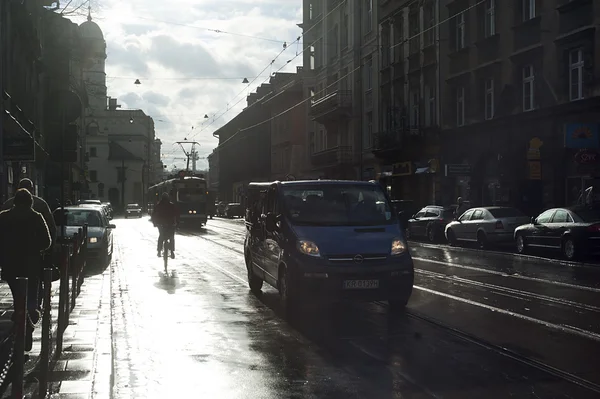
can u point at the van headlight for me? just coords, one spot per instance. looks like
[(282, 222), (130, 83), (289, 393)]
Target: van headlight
[(308, 248), (398, 247), (93, 240)]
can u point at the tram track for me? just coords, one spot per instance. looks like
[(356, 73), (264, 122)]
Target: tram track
[(470, 338)]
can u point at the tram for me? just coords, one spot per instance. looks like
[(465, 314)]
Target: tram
[(188, 192)]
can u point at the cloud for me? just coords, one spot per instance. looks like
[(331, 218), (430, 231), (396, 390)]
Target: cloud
[(191, 57)]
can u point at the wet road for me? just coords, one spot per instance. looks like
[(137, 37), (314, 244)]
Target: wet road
[(478, 325)]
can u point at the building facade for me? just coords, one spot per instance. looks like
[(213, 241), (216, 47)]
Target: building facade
[(245, 148), (341, 58), (520, 105), (213, 170), (156, 164), (408, 143)]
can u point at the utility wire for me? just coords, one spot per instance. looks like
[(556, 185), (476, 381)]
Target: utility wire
[(296, 56)]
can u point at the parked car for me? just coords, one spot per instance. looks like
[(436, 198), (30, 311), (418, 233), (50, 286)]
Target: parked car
[(100, 236), (133, 210), (404, 209), (573, 231), (430, 222), (233, 210), (105, 210), (486, 225)]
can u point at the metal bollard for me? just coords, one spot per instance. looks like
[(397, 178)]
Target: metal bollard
[(75, 267), (46, 324), (63, 297), (20, 330)]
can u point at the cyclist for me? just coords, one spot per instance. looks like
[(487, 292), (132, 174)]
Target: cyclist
[(165, 217)]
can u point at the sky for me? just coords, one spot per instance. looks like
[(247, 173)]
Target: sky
[(186, 69)]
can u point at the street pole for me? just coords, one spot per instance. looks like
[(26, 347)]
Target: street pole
[(123, 183), (3, 6)]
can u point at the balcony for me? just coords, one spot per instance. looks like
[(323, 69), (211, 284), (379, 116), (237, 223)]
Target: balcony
[(341, 155), (332, 106), (385, 142)]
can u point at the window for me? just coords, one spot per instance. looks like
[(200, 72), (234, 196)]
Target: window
[(528, 9), (369, 73), (528, 92), (321, 140), (460, 106), (562, 216), (312, 57), (490, 18), (466, 216), (335, 41), (576, 64), (93, 175), (414, 109), (369, 129), (489, 98), (460, 31), (100, 190), (312, 143), (344, 84), (429, 24), (546, 216), (430, 109), (477, 215), (93, 152), (345, 31), (368, 16)]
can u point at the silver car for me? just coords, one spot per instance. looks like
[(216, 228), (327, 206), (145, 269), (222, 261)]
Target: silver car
[(100, 235), (485, 225)]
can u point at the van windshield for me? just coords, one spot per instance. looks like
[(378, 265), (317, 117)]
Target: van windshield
[(337, 205)]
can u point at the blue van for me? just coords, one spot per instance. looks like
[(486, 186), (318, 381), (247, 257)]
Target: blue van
[(326, 239)]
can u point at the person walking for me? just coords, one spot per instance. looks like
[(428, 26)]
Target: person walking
[(41, 206), (25, 236), (461, 208)]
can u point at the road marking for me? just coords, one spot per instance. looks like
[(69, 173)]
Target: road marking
[(534, 295), (497, 273), (558, 327)]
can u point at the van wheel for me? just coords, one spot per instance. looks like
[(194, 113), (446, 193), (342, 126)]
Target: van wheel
[(254, 282), (287, 300)]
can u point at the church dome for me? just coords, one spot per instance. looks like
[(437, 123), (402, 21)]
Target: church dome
[(90, 30)]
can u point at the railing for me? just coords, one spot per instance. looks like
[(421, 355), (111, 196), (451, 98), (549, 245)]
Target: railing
[(391, 139), (73, 251), (341, 155), (338, 100)]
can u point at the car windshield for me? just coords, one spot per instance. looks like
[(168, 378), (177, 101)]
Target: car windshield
[(337, 205), (506, 213), (588, 215), (191, 194), (133, 206), (76, 217)]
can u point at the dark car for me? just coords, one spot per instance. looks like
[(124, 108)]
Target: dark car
[(233, 210), (404, 209), (573, 231), (430, 222), (133, 210)]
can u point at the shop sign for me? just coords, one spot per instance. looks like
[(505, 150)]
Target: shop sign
[(587, 157), (533, 152), (535, 170), (21, 149), (402, 169), (453, 170), (581, 135)]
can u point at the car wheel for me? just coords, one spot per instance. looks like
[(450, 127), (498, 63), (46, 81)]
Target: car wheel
[(451, 237), (482, 240), (254, 282), (431, 235), (521, 245), (569, 249)]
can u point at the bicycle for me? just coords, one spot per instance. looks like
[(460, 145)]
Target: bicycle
[(167, 246)]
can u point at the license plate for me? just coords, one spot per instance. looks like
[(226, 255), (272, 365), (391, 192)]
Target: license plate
[(361, 284)]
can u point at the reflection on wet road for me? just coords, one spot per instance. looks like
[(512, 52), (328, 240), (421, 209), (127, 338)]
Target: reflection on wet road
[(200, 333)]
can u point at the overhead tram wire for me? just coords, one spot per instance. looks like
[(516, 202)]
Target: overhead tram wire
[(228, 108), (349, 73)]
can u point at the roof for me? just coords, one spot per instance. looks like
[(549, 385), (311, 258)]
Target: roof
[(90, 30), (120, 153)]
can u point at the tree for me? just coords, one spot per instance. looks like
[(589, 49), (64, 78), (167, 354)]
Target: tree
[(75, 7)]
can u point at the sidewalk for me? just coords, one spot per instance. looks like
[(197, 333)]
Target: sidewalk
[(84, 370)]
